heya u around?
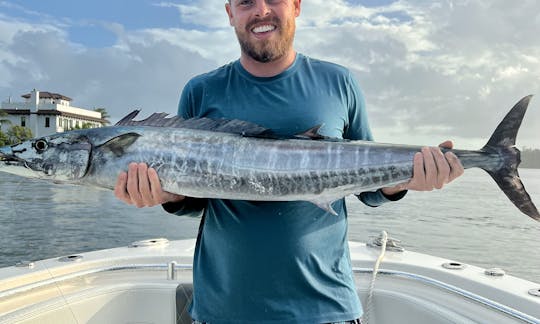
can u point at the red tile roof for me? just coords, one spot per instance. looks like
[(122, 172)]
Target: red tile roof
[(48, 95)]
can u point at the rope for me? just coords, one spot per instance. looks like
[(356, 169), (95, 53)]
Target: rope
[(369, 300)]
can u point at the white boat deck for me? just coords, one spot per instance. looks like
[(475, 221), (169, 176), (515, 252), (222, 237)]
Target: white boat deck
[(141, 285)]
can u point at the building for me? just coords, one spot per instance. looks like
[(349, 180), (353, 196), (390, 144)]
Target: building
[(46, 113)]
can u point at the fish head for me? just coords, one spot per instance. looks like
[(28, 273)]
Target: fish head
[(59, 157)]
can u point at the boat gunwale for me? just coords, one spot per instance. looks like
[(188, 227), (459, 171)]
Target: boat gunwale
[(507, 310)]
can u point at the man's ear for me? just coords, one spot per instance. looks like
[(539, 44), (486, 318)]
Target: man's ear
[(229, 12), (297, 7)]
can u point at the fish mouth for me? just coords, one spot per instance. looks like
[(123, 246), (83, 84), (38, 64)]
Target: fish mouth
[(5, 152), (10, 163), (7, 157)]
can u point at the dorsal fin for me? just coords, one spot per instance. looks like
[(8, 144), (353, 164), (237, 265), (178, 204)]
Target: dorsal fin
[(127, 118), (312, 133), (234, 126)]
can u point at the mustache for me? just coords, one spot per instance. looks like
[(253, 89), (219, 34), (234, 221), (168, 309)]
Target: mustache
[(270, 20)]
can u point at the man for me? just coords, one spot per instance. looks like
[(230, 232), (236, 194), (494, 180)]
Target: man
[(276, 262)]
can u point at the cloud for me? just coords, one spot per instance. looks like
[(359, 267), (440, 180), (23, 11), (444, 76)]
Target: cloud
[(429, 70), (440, 69), (208, 14), (144, 68), (120, 78)]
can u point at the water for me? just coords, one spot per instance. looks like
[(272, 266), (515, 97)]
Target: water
[(469, 221)]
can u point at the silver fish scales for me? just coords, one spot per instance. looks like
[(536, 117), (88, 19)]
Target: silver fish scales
[(232, 159)]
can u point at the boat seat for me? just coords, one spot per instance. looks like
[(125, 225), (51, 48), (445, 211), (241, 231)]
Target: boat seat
[(184, 295)]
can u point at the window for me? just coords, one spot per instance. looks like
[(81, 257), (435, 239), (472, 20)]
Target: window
[(23, 121), (47, 122)]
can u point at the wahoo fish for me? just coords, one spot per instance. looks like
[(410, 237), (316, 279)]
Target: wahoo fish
[(233, 159)]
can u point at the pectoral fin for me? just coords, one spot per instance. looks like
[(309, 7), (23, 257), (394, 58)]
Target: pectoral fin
[(119, 144), (326, 205)]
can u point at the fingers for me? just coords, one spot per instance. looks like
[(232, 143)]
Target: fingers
[(147, 196), (419, 176), (155, 186), (120, 188), (133, 185), (442, 173), (426, 175), (140, 186), (432, 169), (447, 144), (456, 168)]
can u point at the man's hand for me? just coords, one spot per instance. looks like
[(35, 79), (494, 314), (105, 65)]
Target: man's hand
[(431, 170), (140, 186)]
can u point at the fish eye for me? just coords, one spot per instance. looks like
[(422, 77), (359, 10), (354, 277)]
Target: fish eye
[(41, 145)]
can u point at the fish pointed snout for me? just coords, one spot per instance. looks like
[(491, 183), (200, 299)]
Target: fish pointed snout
[(6, 153)]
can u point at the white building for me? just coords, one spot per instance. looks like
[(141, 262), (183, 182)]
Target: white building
[(47, 113)]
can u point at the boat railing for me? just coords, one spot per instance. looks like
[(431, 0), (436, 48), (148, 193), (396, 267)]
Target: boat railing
[(456, 290), (172, 267)]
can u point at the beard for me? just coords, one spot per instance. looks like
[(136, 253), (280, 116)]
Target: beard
[(268, 50)]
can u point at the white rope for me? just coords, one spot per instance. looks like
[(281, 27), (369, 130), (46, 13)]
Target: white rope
[(369, 300)]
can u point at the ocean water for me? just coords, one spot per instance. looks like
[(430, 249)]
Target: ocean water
[(470, 221)]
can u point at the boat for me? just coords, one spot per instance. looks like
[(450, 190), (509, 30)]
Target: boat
[(150, 281)]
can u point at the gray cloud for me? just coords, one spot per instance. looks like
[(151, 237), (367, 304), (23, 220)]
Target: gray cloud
[(429, 70), (132, 75), (203, 13), (447, 70)]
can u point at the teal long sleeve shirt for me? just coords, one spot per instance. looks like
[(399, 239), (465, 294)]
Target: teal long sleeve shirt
[(276, 262)]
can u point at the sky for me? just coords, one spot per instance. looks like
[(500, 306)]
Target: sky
[(429, 70)]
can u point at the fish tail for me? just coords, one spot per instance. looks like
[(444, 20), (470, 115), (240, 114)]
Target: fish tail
[(505, 174)]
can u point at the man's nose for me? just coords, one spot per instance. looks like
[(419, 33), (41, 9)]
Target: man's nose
[(262, 8)]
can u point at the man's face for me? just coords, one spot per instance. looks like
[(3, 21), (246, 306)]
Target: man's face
[(265, 28)]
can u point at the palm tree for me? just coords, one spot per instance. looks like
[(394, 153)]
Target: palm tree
[(104, 115), (17, 134), (4, 140), (3, 120)]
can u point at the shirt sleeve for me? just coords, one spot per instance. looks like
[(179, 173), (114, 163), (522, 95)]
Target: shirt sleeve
[(357, 126), (358, 129), (378, 198), (190, 206), (187, 102)]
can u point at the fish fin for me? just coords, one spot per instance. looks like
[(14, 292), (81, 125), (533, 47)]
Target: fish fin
[(502, 143), (119, 144), (234, 126), (312, 133), (325, 205), (129, 117)]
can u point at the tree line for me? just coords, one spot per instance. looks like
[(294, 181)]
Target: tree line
[(530, 158), (14, 134)]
